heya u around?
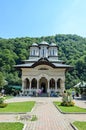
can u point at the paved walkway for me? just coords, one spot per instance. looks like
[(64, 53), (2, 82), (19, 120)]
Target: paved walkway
[(49, 118)]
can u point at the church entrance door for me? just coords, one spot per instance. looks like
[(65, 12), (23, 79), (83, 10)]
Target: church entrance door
[(43, 84), (43, 87)]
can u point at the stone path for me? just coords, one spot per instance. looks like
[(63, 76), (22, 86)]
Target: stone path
[(49, 118)]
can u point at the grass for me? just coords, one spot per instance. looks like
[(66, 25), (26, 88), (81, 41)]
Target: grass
[(71, 109), (11, 126), (80, 125), (18, 107), (34, 118)]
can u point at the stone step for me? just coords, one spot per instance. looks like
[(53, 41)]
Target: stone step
[(43, 95)]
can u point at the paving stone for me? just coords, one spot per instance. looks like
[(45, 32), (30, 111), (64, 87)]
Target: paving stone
[(49, 118)]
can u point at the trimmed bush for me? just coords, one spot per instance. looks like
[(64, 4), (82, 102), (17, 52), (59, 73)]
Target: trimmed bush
[(1, 100), (2, 104), (67, 99), (67, 103)]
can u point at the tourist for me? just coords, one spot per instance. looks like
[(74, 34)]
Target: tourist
[(2, 92), (73, 94)]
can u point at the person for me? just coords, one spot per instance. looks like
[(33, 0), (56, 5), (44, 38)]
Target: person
[(73, 94), (42, 89), (39, 91), (2, 92)]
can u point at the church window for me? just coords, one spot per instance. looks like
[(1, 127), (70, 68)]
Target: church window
[(50, 52), (33, 52), (53, 52), (43, 52)]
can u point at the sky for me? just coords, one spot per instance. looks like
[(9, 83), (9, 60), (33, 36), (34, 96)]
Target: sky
[(36, 18)]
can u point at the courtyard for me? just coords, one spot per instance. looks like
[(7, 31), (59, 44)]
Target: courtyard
[(48, 116)]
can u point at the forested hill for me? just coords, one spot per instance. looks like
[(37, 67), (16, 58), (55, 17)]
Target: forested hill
[(72, 49)]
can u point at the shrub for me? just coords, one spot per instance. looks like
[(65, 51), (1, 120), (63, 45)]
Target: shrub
[(67, 100), (2, 104), (67, 103), (1, 100), (34, 118)]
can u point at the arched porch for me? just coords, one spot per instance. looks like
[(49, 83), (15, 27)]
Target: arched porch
[(43, 84)]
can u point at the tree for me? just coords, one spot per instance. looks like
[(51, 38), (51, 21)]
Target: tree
[(72, 50), (2, 81)]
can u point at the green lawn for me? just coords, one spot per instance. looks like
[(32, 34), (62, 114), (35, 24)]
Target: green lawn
[(70, 109), (11, 126), (80, 125), (18, 107)]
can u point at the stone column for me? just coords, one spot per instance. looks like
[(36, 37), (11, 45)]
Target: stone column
[(48, 85), (37, 88), (62, 86), (29, 88), (55, 85), (30, 85), (48, 89), (23, 85)]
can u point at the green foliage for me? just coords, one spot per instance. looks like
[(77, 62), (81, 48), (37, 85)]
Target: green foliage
[(72, 49), (67, 99), (2, 104), (2, 81), (34, 118), (1, 100)]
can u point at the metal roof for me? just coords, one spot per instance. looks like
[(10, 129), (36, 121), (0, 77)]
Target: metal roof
[(34, 44), (61, 65), (43, 43)]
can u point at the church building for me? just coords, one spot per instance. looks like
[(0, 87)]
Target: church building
[(43, 72)]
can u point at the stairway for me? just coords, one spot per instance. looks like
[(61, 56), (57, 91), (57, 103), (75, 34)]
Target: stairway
[(43, 95)]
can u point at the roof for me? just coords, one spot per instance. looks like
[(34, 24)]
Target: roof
[(43, 61), (34, 44), (44, 43), (27, 65), (61, 65), (80, 84), (53, 45)]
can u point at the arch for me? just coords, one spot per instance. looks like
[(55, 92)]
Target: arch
[(26, 83), (59, 81), (34, 83), (52, 83), (43, 84)]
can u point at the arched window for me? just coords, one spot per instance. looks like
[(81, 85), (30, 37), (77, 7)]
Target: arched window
[(43, 52), (59, 84), (52, 83), (26, 83), (53, 52), (34, 52), (34, 83)]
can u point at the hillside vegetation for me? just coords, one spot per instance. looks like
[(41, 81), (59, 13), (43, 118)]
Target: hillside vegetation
[(72, 49)]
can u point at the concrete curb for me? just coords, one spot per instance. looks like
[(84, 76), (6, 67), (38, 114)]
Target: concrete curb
[(34, 107), (24, 128), (11, 113), (73, 126)]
